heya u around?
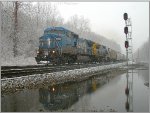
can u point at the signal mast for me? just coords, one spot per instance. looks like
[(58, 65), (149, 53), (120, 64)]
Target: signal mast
[(128, 46)]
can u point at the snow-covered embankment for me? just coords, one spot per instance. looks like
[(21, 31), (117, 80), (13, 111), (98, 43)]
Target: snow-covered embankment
[(54, 78)]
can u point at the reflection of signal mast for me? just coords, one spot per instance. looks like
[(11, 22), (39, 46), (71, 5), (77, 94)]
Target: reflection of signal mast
[(129, 91)]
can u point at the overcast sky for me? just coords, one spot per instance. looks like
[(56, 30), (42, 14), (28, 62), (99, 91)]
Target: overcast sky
[(106, 18)]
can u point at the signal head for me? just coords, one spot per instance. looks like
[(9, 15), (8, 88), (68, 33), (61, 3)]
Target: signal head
[(125, 16)]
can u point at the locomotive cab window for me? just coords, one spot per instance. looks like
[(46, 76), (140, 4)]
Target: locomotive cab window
[(44, 42), (48, 42), (75, 44), (69, 35), (41, 42)]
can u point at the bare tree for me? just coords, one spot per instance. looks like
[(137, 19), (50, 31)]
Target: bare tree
[(6, 30), (79, 25), (142, 53), (23, 23), (15, 37)]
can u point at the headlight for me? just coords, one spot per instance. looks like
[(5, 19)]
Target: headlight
[(53, 89), (53, 51), (37, 52)]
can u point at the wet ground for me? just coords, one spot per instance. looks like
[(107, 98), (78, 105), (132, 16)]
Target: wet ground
[(99, 93)]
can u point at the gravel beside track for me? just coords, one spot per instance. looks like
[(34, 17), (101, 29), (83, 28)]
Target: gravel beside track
[(74, 75)]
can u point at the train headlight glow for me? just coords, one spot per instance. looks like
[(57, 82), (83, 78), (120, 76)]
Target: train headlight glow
[(37, 52), (53, 51), (53, 89)]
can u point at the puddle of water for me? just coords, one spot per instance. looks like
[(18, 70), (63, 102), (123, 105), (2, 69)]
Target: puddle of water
[(100, 93)]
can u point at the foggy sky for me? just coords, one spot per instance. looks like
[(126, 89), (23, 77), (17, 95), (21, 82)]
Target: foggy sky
[(106, 18)]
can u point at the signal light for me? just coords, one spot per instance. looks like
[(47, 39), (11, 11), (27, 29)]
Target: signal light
[(125, 16), (126, 44), (127, 106), (126, 30), (127, 91)]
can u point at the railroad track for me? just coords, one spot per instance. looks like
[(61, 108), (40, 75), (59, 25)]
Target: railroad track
[(16, 71)]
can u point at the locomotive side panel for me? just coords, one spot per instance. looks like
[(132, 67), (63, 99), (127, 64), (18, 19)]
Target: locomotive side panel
[(113, 55), (82, 46)]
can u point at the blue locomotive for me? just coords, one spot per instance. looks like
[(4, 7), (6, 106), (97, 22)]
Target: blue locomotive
[(59, 45)]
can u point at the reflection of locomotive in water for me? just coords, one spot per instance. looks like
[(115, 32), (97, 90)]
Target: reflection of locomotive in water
[(58, 97), (63, 96), (59, 45)]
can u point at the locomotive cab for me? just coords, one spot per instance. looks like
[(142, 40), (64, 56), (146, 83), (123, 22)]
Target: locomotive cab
[(57, 45), (49, 48)]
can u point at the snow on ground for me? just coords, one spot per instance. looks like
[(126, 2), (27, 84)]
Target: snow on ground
[(55, 77), (19, 61)]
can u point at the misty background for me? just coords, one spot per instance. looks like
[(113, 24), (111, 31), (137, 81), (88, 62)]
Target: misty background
[(22, 24)]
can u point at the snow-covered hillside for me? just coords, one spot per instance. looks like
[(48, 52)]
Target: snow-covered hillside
[(22, 24)]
